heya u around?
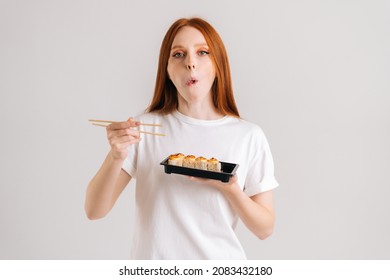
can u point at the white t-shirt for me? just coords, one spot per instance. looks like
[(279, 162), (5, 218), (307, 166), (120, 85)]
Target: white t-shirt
[(180, 219)]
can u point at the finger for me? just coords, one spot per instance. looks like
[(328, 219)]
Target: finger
[(122, 132), (126, 124), (131, 141), (202, 180), (119, 146), (123, 125), (232, 180), (133, 123), (124, 139), (118, 125)]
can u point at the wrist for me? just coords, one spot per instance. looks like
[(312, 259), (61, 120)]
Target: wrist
[(116, 157), (232, 189)]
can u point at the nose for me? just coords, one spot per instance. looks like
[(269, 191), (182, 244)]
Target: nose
[(190, 62)]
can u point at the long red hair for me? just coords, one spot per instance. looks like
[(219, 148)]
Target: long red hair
[(165, 98)]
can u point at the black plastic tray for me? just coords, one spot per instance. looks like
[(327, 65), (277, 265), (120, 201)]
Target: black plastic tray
[(227, 170)]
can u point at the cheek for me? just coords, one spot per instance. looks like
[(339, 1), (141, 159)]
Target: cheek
[(172, 75), (211, 72), (169, 71), (210, 67)]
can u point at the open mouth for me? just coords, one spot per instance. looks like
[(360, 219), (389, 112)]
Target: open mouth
[(191, 82)]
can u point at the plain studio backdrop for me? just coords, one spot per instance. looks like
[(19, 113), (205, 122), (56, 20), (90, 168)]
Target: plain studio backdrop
[(315, 75)]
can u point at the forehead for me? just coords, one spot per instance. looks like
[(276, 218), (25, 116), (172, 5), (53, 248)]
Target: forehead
[(188, 35)]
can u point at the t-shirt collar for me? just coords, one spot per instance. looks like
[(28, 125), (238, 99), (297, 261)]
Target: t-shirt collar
[(194, 121)]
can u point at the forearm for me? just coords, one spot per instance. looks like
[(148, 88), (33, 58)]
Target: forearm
[(257, 217), (100, 191), (256, 212)]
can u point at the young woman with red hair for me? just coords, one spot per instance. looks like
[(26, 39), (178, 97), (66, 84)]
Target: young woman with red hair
[(180, 217)]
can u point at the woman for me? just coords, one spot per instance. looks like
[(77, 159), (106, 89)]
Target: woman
[(180, 217)]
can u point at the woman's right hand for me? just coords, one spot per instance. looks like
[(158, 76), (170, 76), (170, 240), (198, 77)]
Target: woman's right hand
[(120, 136)]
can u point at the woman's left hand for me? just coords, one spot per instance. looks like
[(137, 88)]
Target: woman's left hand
[(223, 187), (257, 211)]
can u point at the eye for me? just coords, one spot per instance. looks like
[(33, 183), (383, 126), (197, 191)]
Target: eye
[(178, 54), (203, 53)]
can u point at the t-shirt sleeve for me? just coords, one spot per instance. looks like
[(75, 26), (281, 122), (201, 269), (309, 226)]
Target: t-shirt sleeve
[(130, 163), (260, 177)]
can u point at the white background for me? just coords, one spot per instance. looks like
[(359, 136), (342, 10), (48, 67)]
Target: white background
[(313, 74)]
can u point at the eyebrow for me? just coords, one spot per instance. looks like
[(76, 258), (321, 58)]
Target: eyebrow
[(196, 45)]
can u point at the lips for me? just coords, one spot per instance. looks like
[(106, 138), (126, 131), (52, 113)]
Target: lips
[(191, 81)]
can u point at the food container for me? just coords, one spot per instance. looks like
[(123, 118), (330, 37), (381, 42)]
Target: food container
[(227, 170)]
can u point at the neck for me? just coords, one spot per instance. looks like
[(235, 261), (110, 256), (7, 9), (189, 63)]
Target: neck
[(201, 111)]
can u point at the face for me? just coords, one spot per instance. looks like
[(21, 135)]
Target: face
[(190, 67)]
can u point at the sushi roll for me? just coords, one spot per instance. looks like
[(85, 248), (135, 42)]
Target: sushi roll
[(201, 163), (189, 161), (213, 165), (181, 157), (176, 159)]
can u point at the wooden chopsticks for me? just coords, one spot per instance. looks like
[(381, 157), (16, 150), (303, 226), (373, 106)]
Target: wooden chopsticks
[(106, 123), (110, 122)]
